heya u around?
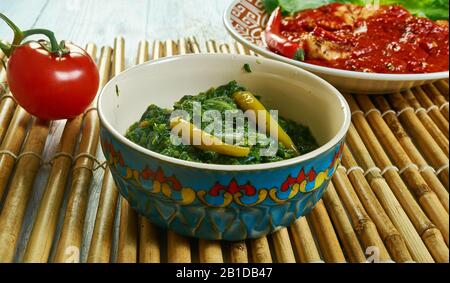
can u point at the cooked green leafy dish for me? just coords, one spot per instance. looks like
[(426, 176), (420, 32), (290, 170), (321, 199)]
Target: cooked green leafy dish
[(154, 131)]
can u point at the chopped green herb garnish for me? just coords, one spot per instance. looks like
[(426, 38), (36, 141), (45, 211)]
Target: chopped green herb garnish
[(117, 90), (300, 55), (247, 68)]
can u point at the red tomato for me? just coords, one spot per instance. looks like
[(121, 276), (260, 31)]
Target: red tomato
[(51, 86)]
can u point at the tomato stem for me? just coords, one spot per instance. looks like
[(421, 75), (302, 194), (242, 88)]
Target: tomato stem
[(20, 35), (48, 33), (10, 23), (5, 48)]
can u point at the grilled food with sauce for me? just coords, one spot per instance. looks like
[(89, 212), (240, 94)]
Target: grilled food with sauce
[(375, 39)]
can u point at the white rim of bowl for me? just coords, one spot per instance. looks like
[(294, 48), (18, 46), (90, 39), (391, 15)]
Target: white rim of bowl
[(219, 167), (325, 70)]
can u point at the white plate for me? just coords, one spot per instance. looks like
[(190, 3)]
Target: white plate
[(245, 20)]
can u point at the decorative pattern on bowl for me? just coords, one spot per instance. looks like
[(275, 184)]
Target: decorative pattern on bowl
[(249, 19), (218, 205)]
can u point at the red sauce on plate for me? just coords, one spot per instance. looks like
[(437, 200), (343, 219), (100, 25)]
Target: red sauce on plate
[(388, 39)]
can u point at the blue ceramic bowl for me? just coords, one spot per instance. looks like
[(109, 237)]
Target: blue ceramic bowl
[(226, 202)]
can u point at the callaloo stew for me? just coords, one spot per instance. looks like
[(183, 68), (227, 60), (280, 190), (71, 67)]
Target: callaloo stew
[(154, 131)]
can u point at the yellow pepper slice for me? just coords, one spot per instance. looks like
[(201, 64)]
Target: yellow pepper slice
[(208, 142), (247, 101)]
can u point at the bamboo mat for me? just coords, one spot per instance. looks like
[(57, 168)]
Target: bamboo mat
[(388, 201)]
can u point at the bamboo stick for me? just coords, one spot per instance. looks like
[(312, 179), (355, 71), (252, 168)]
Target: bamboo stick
[(439, 135), (101, 242), (7, 107), (412, 176), (128, 234), (403, 138), (2, 73), (194, 47), (442, 85), (395, 242), (384, 193), (170, 48), (142, 54), (401, 159), (3, 83), (149, 245), (69, 244), (27, 167), (158, 50), (425, 143), (343, 226), (437, 107), (211, 46), (238, 252), (2, 56), (416, 183), (39, 245), (128, 229), (438, 99), (12, 143), (42, 235), (251, 52), (210, 251), (182, 47), (261, 250), (328, 241), (224, 48), (304, 243), (149, 240), (240, 48), (282, 246), (7, 104), (362, 223), (178, 247)]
